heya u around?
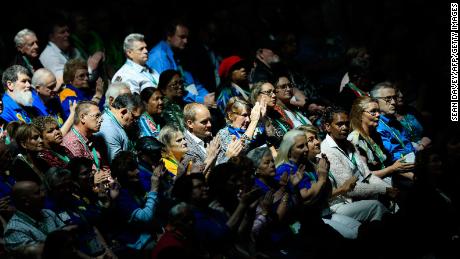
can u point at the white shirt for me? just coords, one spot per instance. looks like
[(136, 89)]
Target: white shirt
[(343, 167), (136, 76), (297, 119), (197, 140), (54, 59)]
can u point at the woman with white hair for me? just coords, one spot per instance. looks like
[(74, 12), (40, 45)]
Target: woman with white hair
[(175, 148)]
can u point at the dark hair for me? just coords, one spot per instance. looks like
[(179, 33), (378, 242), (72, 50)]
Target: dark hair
[(150, 146), (55, 175), (147, 93), (76, 163), (42, 122), (183, 186), (124, 101), (71, 67), (166, 77), (23, 134), (330, 111), (123, 162), (12, 128), (358, 68), (170, 27)]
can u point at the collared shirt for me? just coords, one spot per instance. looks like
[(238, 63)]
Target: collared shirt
[(197, 140), (394, 136), (22, 230), (346, 163), (114, 135), (78, 149), (12, 111), (136, 76), (54, 58), (161, 58)]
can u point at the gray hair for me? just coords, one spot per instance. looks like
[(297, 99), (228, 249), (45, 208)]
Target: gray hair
[(286, 145), (128, 42), (12, 72), (375, 91), (37, 78), (257, 154), (113, 91), (82, 108), (19, 38), (256, 89), (124, 101), (167, 134)]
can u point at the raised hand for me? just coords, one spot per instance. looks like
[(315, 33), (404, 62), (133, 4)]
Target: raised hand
[(322, 167), (255, 112), (298, 176), (158, 172), (234, 148)]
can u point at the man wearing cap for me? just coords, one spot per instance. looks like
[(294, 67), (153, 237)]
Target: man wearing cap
[(233, 72), (265, 59), (165, 55)]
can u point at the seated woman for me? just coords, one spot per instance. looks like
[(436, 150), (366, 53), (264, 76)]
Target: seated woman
[(171, 85), (364, 118), (275, 125), (407, 117), (314, 186), (234, 73), (347, 163), (135, 208), (53, 153), (242, 123), (27, 165), (274, 212), (290, 113), (175, 148), (151, 121)]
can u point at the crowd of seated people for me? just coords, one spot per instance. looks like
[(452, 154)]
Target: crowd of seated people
[(153, 165)]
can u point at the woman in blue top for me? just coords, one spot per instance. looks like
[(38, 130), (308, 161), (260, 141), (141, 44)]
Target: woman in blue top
[(151, 121), (243, 124)]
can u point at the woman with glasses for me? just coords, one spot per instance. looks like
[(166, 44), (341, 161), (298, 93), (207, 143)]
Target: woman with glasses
[(171, 85), (291, 114), (364, 118), (275, 124), (151, 121)]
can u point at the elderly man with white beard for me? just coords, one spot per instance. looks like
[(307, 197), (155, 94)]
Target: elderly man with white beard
[(19, 101)]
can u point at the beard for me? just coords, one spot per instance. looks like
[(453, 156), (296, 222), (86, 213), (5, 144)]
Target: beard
[(24, 98)]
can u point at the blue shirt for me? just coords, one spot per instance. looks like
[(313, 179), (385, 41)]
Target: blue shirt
[(70, 94), (395, 138), (12, 111), (161, 58), (291, 169)]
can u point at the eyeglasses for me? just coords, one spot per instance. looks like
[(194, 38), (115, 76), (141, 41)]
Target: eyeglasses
[(373, 112), (97, 116), (285, 86), (268, 93), (388, 99), (82, 76), (177, 85)]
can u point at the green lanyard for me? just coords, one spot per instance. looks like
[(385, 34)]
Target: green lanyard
[(93, 151), (157, 126), (377, 150), (63, 158), (299, 117), (112, 117), (394, 134), (356, 89), (281, 125)]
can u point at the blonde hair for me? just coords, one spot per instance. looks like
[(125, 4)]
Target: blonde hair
[(356, 113), (235, 105), (286, 145)]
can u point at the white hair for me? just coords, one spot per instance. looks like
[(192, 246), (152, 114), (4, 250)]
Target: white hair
[(19, 38), (39, 75), (286, 145), (114, 90), (375, 92), (128, 42)]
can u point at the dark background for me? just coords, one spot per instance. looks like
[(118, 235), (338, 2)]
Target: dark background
[(408, 41)]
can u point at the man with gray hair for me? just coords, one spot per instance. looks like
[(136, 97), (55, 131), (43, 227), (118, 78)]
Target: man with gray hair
[(28, 50), (117, 120), (115, 89), (395, 139), (19, 100), (134, 72)]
